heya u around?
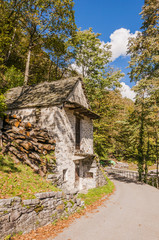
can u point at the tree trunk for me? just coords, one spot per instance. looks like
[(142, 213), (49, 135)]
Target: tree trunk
[(157, 161), (146, 159), (49, 71), (156, 141), (27, 67), (146, 171), (11, 45), (140, 147), (83, 75)]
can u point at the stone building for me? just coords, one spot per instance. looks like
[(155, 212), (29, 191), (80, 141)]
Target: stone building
[(62, 108)]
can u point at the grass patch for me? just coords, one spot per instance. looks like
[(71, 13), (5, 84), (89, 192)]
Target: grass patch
[(20, 180), (95, 194)]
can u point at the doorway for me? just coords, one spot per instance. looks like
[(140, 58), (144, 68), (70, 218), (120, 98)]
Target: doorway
[(77, 174)]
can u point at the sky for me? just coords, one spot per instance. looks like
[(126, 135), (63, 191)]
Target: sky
[(116, 20)]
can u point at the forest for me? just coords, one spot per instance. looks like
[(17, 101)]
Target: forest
[(39, 41)]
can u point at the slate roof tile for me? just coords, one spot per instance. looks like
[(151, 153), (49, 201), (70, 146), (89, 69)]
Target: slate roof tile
[(41, 95)]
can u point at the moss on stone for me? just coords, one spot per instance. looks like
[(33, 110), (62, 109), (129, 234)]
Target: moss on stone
[(54, 215), (37, 222), (5, 212), (38, 208), (54, 222), (72, 202), (66, 210)]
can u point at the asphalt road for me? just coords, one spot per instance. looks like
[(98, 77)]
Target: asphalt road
[(131, 213)]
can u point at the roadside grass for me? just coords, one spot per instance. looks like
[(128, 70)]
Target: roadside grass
[(95, 194), (20, 180)]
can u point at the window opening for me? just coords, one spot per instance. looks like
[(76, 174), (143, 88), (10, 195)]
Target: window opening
[(78, 129), (64, 175)]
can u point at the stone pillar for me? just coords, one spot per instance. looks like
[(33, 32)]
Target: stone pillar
[(1, 126)]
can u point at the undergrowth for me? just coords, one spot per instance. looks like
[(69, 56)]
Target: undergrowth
[(20, 180)]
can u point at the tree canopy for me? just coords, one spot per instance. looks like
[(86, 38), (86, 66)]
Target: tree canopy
[(144, 65), (29, 31)]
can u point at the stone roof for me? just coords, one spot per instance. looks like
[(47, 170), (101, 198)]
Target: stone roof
[(41, 95)]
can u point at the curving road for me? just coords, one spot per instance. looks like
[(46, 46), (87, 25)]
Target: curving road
[(131, 213)]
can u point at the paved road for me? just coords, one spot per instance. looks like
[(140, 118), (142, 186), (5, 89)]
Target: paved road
[(131, 213)]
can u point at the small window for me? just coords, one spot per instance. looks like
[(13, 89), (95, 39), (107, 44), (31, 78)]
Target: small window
[(64, 175), (78, 130)]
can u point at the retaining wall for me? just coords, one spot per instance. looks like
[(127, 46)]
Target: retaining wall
[(17, 215)]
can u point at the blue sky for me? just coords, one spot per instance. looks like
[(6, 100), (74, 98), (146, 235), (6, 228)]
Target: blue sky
[(117, 19)]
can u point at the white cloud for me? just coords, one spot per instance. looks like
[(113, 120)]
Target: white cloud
[(127, 92), (125, 89), (119, 41), (76, 68)]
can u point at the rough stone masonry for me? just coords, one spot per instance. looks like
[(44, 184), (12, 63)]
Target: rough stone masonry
[(17, 215), (62, 108)]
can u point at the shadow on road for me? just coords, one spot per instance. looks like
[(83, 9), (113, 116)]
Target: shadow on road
[(124, 179)]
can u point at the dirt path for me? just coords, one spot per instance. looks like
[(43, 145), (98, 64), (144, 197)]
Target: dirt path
[(131, 213)]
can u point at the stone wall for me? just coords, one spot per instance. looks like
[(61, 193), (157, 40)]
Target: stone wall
[(101, 180), (86, 135), (27, 114), (60, 123), (17, 215), (88, 173)]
